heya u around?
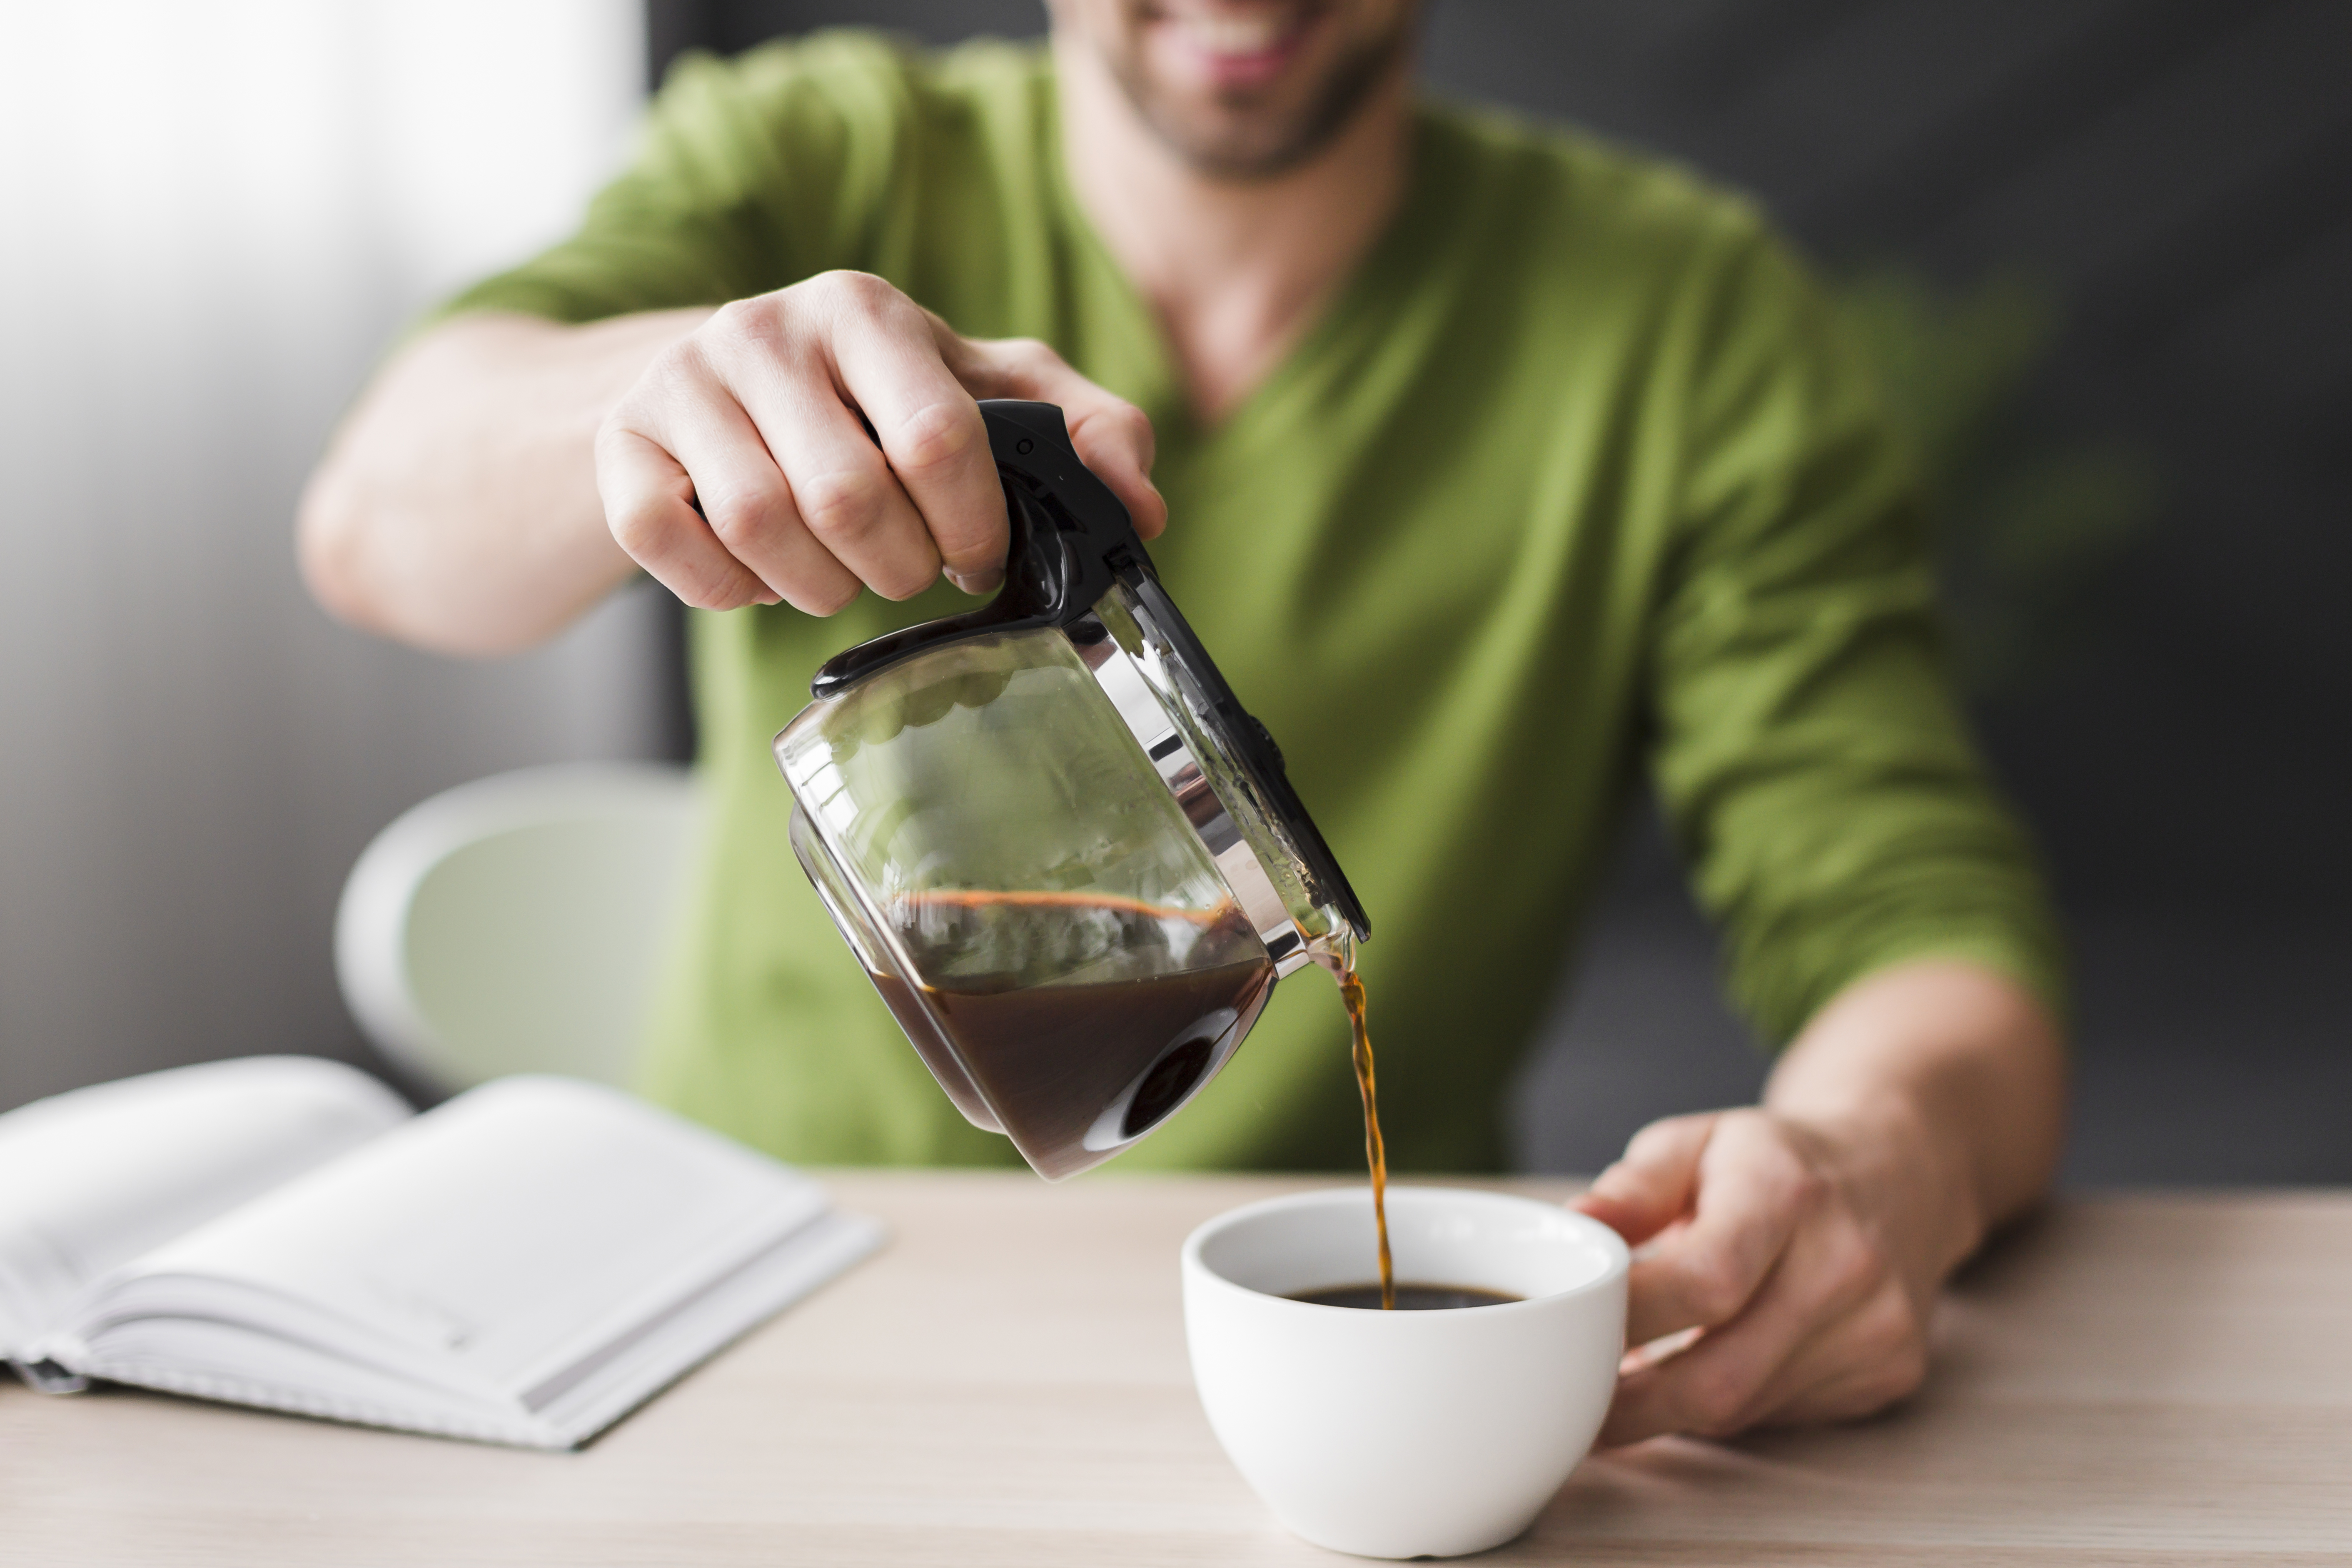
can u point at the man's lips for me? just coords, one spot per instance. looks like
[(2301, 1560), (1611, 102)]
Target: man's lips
[(1236, 49)]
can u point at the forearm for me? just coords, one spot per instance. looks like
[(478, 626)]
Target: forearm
[(1953, 1079), (457, 506)]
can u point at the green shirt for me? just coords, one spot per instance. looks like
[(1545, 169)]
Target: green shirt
[(1572, 478)]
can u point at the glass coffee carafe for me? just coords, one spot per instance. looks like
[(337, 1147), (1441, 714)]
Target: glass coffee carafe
[(1069, 861)]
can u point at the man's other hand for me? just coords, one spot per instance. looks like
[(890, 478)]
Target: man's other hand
[(1788, 1257), (737, 472), (1767, 1239)]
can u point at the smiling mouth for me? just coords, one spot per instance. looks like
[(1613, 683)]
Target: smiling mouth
[(1234, 47)]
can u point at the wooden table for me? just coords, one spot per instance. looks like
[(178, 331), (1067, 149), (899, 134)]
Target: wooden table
[(2134, 1379)]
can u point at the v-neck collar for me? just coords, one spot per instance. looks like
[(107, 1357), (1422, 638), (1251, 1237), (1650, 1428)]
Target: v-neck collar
[(1353, 306)]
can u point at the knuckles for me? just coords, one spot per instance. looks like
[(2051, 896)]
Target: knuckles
[(849, 510), (779, 323), (1893, 1358), (1657, 1138), (844, 298), (1716, 1397), (1855, 1266), (842, 507), (1903, 1374), (638, 527), (1887, 1348), (766, 327), (1029, 353), (1118, 433), (1808, 1189), (846, 288), (935, 439), (745, 320), (1892, 1333), (1130, 421), (744, 520)]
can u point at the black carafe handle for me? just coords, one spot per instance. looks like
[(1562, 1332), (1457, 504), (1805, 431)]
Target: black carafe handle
[(1070, 540)]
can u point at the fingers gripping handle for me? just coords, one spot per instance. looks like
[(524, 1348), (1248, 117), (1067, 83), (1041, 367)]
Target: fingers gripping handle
[(1069, 536)]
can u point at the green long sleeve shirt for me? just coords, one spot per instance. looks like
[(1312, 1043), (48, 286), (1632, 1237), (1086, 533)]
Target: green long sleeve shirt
[(1572, 478)]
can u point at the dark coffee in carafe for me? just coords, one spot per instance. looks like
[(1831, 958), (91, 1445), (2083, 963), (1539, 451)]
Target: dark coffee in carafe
[(1143, 1003)]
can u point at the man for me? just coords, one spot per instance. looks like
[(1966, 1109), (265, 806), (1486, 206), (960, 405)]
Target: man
[(1495, 464)]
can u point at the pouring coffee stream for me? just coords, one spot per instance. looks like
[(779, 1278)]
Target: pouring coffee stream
[(1340, 960), (1070, 860)]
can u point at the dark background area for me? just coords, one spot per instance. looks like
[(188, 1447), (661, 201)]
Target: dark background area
[(2173, 179)]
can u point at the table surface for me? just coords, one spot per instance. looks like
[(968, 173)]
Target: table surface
[(2135, 1379)]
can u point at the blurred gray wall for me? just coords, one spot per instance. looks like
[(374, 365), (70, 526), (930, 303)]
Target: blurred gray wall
[(2176, 176), (217, 218)]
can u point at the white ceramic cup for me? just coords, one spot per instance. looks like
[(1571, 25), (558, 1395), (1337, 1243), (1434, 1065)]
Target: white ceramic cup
[(1405, 1434)]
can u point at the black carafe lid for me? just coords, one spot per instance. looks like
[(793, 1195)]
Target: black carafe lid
[(1072, 542)]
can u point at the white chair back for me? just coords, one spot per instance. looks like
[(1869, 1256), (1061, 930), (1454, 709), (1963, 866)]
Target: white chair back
[(513, 924)]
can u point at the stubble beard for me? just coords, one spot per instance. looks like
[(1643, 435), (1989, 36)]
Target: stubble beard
[(1253, 151)]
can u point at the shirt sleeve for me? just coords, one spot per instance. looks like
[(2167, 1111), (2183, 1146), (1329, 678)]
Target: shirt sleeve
[(1814, 767), (749, 175)]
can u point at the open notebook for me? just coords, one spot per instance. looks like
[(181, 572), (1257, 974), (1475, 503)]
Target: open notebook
[(524, 1264)]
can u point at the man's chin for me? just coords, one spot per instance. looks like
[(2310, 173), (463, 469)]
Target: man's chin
[(1237, 148), (1247, 135), (1254, 113)]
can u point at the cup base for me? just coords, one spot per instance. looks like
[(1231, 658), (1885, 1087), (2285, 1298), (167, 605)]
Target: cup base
[(1452, 1546)]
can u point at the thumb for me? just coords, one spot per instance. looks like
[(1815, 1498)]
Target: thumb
[(1652, 1184)]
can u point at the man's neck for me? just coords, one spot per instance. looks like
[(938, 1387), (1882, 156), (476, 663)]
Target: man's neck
[(1235, 270)]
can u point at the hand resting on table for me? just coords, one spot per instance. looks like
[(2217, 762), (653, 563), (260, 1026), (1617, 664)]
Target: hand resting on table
[(1795, 1249)]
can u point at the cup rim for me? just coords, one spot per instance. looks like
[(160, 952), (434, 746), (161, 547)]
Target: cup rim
[(1619, 1257)]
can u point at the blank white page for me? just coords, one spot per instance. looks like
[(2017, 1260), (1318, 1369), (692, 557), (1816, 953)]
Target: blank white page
[(92, 1178), (502, 1235)]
